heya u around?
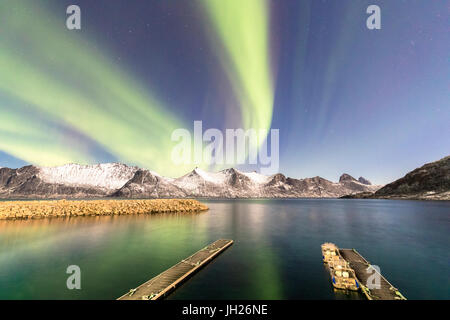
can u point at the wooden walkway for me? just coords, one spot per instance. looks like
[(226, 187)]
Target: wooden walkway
[(161, 285), (357, 262)]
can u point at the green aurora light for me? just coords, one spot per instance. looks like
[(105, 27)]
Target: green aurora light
[(242, 28), (65, 79), (60, 93)]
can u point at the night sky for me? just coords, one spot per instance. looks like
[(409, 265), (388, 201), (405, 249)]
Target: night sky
[(372, 103)]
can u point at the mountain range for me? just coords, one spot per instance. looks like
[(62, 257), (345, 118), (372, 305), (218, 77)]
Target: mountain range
[(120, 180), (429, 182)]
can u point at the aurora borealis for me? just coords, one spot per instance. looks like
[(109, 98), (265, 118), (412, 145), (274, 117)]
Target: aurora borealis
[(346, 99), (64, 80), (244, 53)]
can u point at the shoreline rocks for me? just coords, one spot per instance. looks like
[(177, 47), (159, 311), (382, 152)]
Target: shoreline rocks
[(14, 210)]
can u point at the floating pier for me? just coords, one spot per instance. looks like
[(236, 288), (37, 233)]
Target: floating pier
[(164, 283), (358, 263)]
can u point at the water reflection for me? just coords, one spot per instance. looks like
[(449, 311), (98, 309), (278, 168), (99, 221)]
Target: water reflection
[(276, 254)]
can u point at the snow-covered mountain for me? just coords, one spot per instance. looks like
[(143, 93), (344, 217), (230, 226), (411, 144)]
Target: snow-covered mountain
[(105, 175), (71, 180), (119, 180), (429, 182), (232, 183)]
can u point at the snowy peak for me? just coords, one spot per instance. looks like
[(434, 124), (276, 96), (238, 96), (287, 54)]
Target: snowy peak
[(199, 175), (277, 179), (223, 177), (364, 181), (257, 178), (226, 183), (346, 177), (238, 180), (251, 177), (105, 175), (212, 177)]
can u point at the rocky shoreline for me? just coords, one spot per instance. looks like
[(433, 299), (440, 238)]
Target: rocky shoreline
[(429, 182), (14, 210), (443, 196)]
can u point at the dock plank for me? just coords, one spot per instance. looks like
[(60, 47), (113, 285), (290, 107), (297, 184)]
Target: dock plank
[(164, 283), (358, 263)]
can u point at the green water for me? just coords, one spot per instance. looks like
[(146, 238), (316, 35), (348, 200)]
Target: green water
[(276, 254)]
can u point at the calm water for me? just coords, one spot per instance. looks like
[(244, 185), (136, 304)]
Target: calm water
[(276, 254)]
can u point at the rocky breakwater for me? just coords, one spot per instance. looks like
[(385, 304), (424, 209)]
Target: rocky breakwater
[(11, 210)]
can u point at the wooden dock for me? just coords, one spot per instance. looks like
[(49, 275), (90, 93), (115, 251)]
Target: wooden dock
[(164, 283), (357, 262)]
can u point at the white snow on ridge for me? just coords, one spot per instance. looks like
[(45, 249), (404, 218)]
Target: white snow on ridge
[(113, 176), (106, 175), (195, 178), (213, 177), (257, 178)]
